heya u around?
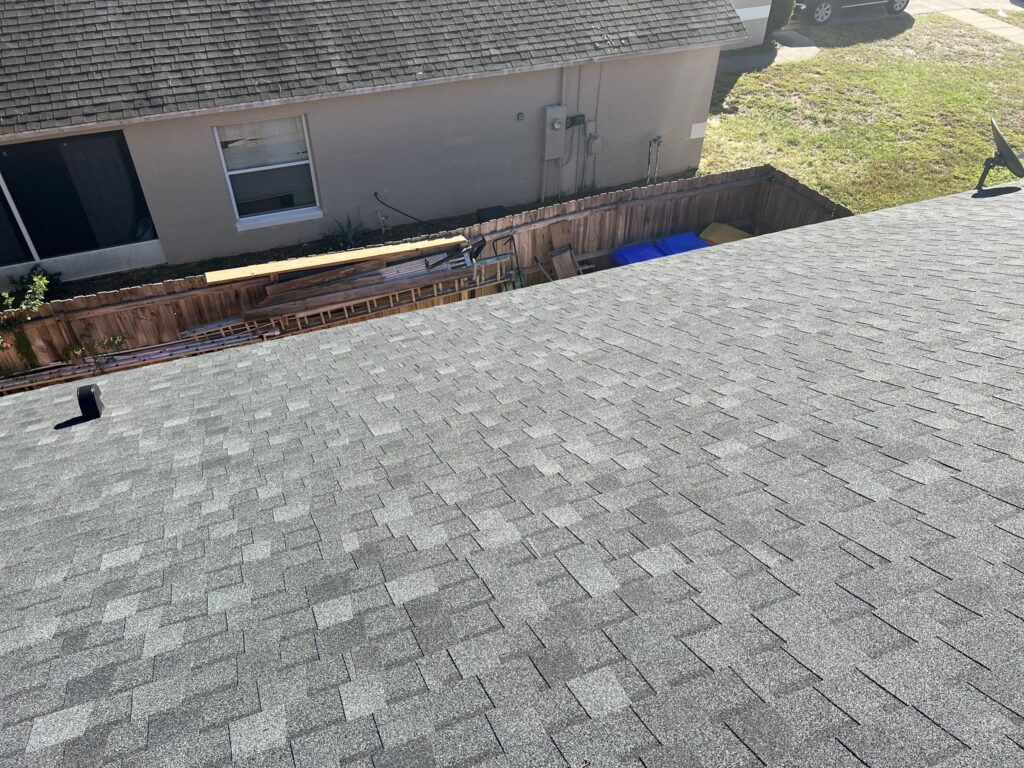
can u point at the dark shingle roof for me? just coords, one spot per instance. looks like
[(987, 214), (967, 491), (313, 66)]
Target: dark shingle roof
[(81, 62), (761, 500)]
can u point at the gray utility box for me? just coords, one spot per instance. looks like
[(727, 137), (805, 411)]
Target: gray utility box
[(554, 131)]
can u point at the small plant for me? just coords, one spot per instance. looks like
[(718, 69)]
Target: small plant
[(22, 283), (17, 307), (344, 236), (98, 352)]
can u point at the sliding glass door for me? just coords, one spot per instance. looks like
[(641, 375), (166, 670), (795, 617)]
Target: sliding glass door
[(76, 194)]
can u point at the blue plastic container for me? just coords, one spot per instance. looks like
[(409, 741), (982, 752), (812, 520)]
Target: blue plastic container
[(681, 243), (634, 254)]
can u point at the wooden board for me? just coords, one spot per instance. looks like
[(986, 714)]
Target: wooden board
[(328, 286), (561, 257), (335, 259), (564, 264), (382, 288), (298, 283), (560, 235), (716, 234)]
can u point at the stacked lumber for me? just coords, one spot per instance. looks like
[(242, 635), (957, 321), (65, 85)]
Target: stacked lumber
[(307, 293), (360, 285), (346, 293), (308, 263)]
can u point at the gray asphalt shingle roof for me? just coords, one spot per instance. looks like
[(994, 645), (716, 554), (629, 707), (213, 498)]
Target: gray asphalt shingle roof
[(761, 504), (81, 62)]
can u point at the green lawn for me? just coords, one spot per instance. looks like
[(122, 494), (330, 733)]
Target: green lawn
[(892, 110), (1010, 17)]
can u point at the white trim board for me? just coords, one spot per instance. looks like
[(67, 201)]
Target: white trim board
[(277, 218), (76, 266), (755, 13)]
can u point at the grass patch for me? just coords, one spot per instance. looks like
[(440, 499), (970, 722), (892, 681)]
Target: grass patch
[(891, 111), (1010, 17)]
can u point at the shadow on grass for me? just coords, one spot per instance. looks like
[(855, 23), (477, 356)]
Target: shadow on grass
[(857, 25), (724, 83)]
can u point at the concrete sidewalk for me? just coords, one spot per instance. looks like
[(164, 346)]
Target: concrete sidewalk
[(989, 24)]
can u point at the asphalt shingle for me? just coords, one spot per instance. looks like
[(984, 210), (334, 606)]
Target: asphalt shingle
[(85, 62), (753, 506)]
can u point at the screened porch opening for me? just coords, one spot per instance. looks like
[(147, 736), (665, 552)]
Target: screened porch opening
[(70, 195)]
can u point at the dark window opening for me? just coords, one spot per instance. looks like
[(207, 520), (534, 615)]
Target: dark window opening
[(278, 189), (13, 249), (77, 194)]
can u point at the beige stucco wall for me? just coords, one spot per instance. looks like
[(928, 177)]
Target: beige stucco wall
[(434, 150), (638, 99)]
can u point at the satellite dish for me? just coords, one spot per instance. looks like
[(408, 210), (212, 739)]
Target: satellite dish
[(1004, 157)]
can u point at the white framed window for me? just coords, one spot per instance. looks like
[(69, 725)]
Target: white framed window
[(269, 171)]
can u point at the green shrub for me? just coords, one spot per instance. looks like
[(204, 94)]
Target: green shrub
[(780, 14), (17, 307)]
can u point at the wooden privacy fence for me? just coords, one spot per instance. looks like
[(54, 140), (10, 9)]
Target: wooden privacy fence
[(758, 200), (145, 316)]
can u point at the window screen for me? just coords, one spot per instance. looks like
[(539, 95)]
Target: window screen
[(268, 166)]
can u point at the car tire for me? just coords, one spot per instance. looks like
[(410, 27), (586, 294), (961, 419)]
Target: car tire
[(822, 11), (896, 6)]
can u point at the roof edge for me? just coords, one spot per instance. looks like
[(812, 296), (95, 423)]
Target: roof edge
[(44, 133)]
